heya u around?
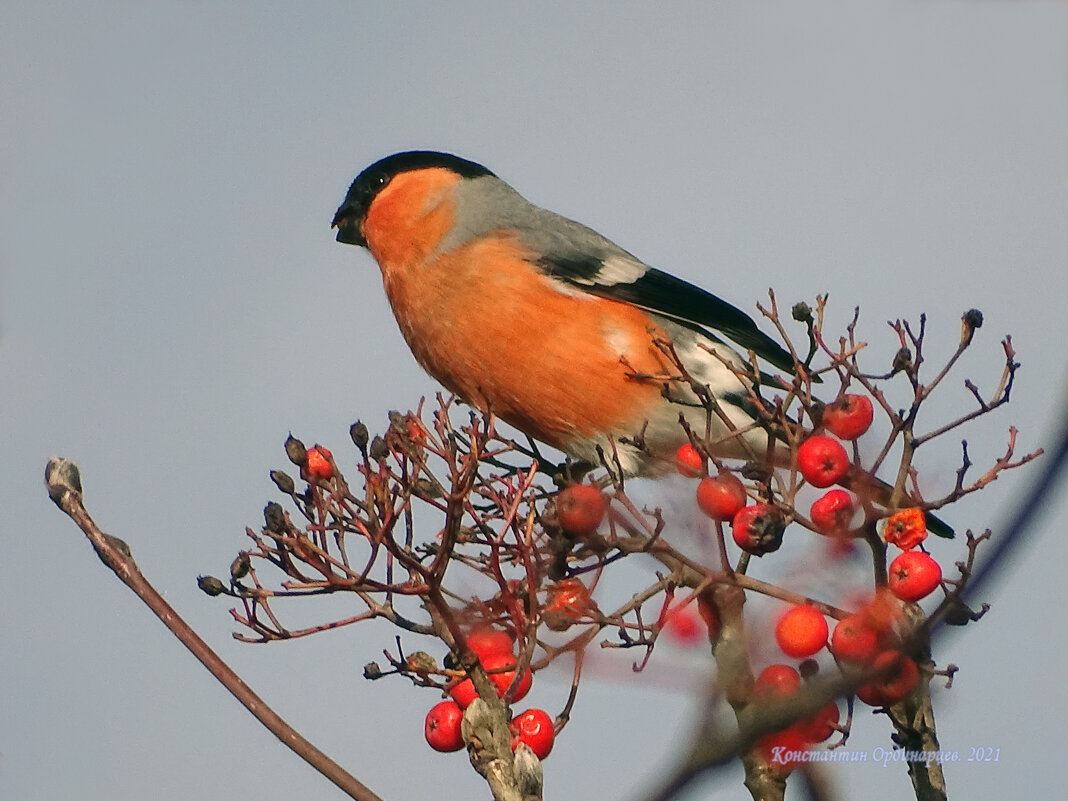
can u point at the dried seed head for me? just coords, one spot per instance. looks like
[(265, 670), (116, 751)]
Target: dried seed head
[(283, 482), (360, 436), (969, 322), (296, 451), (379, 449), (902, 360), (802, 312), (240, 567), (211, 585), (274, 518)]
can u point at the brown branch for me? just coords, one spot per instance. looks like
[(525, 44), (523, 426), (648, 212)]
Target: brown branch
[(999, 397), (64, 488)]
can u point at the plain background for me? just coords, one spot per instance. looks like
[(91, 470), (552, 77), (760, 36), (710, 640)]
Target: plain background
[(174, 303)]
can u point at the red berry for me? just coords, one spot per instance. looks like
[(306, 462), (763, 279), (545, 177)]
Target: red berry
[(534, 728), (688, 461), (568, 601), (854, 640), (849, 416), (580, 509), (464, 693), (684, 625), (801, 631), (914, 575), (870, 695), (494, 649), (776, 681), (782, 750), (882, 612), (822, 461), (820, 726), (896, 686), (758, 528), (442, 727), (319, 465), (833, 512), (721, 497), (503, 680), (487, 641)]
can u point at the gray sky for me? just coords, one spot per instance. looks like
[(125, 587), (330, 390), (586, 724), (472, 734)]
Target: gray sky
[(173, 303)]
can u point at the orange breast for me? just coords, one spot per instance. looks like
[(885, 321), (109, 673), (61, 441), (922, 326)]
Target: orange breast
[(492, 329), (409, 217)]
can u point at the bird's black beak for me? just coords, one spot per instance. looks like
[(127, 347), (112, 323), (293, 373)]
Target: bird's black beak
[(347, 222)]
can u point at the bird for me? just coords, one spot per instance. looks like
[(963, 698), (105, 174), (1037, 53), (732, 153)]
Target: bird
[(549, 325)]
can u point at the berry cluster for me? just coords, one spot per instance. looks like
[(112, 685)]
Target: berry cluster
[(822, 461), (495, 650), (506, 579), (869, 645)]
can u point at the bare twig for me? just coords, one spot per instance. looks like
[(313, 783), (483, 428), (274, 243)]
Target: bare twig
[(64, 488)]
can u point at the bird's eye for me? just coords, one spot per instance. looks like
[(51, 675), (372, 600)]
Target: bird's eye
[(379, 180)]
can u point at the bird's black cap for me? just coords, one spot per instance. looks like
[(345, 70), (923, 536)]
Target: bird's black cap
[(375, 178)]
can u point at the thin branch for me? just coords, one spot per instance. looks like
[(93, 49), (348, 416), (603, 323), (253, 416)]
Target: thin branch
[(64, 488)]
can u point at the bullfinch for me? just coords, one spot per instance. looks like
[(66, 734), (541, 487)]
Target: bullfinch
[(548, 325)]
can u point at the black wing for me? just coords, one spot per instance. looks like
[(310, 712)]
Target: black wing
[(620, 276)]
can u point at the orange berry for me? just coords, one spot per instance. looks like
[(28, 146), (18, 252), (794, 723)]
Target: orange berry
[(801, 631), (905, 529), (854, 640)]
